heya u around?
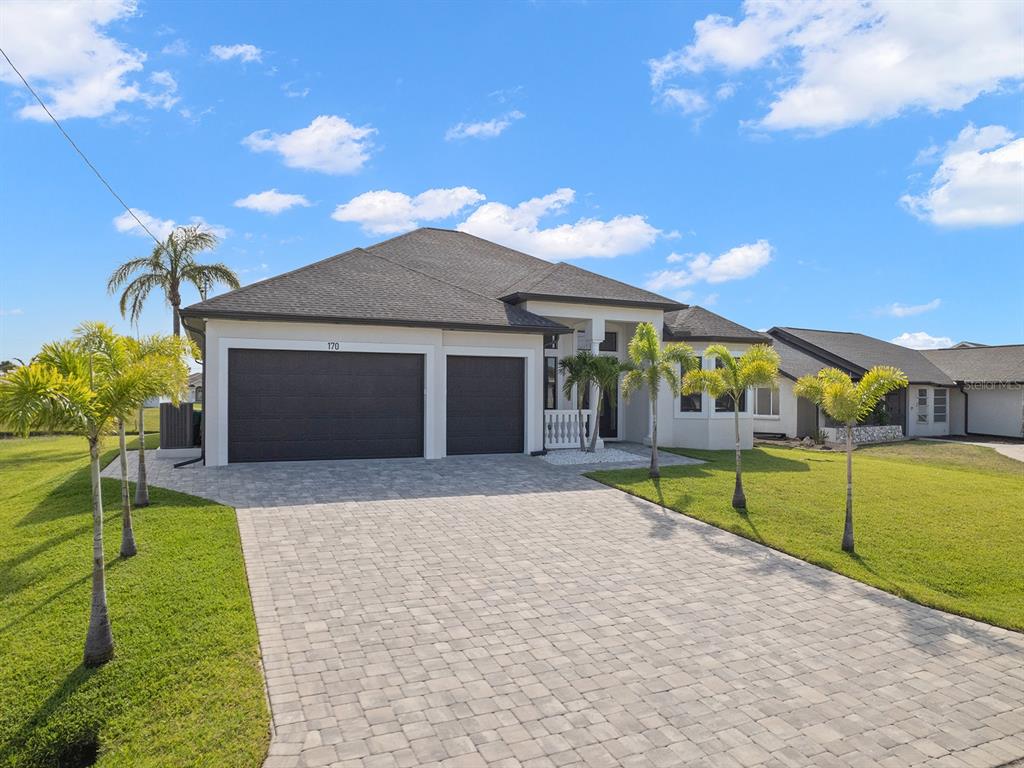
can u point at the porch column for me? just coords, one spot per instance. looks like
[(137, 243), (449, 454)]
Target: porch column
[(596, 338)]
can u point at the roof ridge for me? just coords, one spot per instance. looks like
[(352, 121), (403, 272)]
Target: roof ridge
[(551, 267)]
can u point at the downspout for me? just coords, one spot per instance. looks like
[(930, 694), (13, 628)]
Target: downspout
[(960, 386)]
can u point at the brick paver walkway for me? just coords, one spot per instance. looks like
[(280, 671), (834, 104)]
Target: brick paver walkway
[(503, 612)]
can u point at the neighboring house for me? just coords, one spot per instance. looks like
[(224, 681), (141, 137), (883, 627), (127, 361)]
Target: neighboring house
[(432, 343), (195, 388), (989, 399)]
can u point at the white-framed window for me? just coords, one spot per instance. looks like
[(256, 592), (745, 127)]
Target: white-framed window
[(922, 406), (940, 403), (766, 401), (692, 403)]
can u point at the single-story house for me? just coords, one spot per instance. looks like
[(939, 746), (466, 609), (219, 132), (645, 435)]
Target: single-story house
[(429, 344), (989, 399)]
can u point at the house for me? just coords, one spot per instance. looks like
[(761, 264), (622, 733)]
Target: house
[(429, 344), (195, 388), (989, 399)]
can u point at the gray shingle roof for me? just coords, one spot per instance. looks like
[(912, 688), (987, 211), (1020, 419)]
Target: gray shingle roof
[(699, 324), (430, 277), (981, 365), (794, 362), (363, 287), (856, 353)]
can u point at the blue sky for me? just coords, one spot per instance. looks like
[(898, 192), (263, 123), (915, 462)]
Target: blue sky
[(830, 166)]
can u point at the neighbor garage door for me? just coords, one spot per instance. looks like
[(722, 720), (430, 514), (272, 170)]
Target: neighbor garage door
[(286, 405), (485, 405)]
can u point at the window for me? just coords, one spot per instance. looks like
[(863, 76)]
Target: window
[(551, 341), (939, 406), (550, 383), (610, 343), (723, 404), (766, 401), (922, 406), (692, 403)]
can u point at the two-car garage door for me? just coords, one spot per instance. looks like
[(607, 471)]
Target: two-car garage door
[(291, 405)]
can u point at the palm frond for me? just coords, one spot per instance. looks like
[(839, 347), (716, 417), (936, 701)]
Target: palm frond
[(205, 276), (122, 274)]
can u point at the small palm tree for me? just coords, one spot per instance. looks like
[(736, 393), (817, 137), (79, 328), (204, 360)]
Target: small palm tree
[(605, 373), (757, 367), (649, 365), (578, 373), (76, 386), (170, 265), (836, 394)]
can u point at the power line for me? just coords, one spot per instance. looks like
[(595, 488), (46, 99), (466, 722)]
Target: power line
[(79, 151)]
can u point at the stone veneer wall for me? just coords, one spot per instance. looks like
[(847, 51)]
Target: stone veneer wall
[(883, 434)]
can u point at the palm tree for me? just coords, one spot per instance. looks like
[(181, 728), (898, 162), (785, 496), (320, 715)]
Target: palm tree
[(649, 364), (578, 374), (170, 265), (76, 386), (835, 393), (757, 367), (605, 373)]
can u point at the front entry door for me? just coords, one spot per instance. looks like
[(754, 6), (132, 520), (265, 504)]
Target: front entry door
[(608, 426)]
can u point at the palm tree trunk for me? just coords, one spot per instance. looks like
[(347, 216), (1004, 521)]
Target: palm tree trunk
[(176, 319), (142, 484), (655, 470), (848, 526), (597, 424), (579, 411), (99, 640), (128, 547), (739, 499)]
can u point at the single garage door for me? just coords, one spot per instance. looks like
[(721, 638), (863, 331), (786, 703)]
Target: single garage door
[(289, 405), (485, 405)]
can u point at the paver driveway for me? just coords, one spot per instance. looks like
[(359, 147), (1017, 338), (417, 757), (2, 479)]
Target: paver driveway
[(503, 612)]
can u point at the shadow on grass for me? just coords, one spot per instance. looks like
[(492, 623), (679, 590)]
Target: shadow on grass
[(755, 460)]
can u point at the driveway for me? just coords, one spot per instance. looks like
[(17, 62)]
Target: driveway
[(503, 612)]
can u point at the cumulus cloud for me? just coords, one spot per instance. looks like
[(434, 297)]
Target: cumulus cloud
[(176, 47), (271, 201), (909, 310), (735, 264), (686, 100), (329, 144), (384, 212), (79, 70), (845, 63), (922, 340), (161, 228), (245, 52), (519, 227), (979, 182), (483, 130)]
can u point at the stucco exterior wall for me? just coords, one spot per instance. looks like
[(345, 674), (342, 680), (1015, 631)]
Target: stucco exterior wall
[(706, 430), (785, 422)]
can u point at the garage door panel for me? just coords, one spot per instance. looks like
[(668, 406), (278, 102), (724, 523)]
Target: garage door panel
[(485, 405), (301, 405)]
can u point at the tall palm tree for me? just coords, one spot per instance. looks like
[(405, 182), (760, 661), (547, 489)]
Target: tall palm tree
[(75, 386), (757, 367), (170, 265), (578, 374), (605, 373), (836, 394), (649, 365)]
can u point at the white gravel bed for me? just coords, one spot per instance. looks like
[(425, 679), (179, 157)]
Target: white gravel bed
[(565, 458)]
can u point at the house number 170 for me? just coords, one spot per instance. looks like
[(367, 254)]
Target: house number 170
[(333, 346)]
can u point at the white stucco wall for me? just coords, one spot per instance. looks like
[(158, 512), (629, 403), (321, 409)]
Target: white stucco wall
[(434, 344), (706, 430), (785, 422), (996, 410)]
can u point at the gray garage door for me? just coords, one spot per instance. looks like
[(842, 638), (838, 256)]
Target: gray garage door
[(286, 405), (485, 405)]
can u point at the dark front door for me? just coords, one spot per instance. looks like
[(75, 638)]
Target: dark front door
[(896, 408), (608, 425), (485, 408), (288, 405)]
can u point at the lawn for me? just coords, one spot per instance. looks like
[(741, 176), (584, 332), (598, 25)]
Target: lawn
[(185, 687), (940, 524)]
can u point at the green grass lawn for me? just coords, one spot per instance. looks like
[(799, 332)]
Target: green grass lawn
[(940, 524), (185, 687)]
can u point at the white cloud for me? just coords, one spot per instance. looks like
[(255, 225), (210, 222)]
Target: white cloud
[(519, 227), (64, 52), (384, 212), (980, 181), (922, 340), (483, 130), (245, 52), (909, 310), (329, 144), (176, 47), (686, 100), (845, 63), (166, 97), (735, 264), (17, 311), (161, 228), (725, 91), (271, 201)]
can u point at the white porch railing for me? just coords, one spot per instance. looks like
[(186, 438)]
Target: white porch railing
[(562, 428)]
